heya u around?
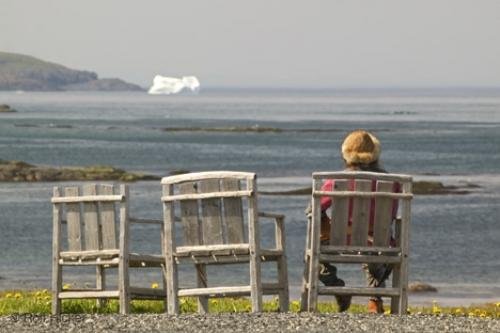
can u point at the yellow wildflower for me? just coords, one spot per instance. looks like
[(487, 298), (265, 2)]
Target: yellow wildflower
[(66, 286), (497, 304), (458, 311), (483, 314), (435, 308), (18, 295), (8, 295), (155, 285)]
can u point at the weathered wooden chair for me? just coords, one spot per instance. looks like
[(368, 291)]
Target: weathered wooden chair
[(211, 208), (96, 219), (356, 196)]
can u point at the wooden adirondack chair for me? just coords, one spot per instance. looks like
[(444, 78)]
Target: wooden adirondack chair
[(353, 192), (96, 219), (211, 208)]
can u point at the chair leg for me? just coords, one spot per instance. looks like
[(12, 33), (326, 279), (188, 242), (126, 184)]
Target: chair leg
[(123, 285), (396, 283), (164, 280), (100, 284), (403, 289), (284, 298), (172, 286), (56, 288), (201, 279), (255, 284), (312, 292), (305, 291)]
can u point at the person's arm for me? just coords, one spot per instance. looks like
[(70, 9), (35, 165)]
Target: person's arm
[(326, 202)]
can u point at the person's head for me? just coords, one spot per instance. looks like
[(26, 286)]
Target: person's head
[(361, 151)]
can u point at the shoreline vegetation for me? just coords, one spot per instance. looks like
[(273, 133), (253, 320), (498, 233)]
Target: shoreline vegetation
[(19, 171), (39, 302)]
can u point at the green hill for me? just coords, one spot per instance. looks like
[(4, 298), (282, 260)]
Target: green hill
[(22, 72)]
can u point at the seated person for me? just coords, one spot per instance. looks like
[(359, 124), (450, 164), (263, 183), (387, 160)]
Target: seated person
[(361, 152)]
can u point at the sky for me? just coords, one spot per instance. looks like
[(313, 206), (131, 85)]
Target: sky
[(265, 43)]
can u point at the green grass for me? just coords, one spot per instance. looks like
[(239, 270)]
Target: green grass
[(39, 302)]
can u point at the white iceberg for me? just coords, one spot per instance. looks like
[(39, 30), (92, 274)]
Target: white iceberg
[(163, 85)]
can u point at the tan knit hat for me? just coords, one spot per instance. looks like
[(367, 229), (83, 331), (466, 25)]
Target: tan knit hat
[(360, 147)]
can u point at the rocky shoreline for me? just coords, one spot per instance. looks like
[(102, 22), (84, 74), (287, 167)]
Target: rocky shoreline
[(18, 171), (247, 322)]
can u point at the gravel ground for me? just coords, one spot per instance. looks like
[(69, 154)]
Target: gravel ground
[(242, 322)]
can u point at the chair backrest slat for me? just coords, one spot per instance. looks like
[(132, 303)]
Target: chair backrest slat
[(233, 213), (90, 220), (189, 214), (383, 215), (211, 213), (340, 216), (108, 219), (360, 214), (73, 217)]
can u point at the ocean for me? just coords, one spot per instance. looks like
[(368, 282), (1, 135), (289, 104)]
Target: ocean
[(447, 135)]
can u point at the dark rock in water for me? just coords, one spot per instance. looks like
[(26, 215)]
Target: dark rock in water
[(25, 125), (178, 172), (6, 108), (249, 129), (433, 187), (256, 129), (298, 191), (420, 287), (18, 171)]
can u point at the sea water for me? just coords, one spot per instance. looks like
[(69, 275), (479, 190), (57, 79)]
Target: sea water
[(452, 136)]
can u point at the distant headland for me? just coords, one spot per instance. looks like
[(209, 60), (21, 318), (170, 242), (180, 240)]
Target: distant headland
[(22, 72)]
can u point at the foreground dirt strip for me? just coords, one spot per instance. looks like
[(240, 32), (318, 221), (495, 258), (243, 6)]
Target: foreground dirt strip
[(244, 322)]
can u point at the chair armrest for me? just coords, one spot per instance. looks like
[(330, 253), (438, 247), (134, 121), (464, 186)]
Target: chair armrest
[(279, 221), (271, 215), (145, 221)]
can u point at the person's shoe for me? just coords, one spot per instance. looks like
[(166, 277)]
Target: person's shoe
[(375, 306), (343, 302)]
